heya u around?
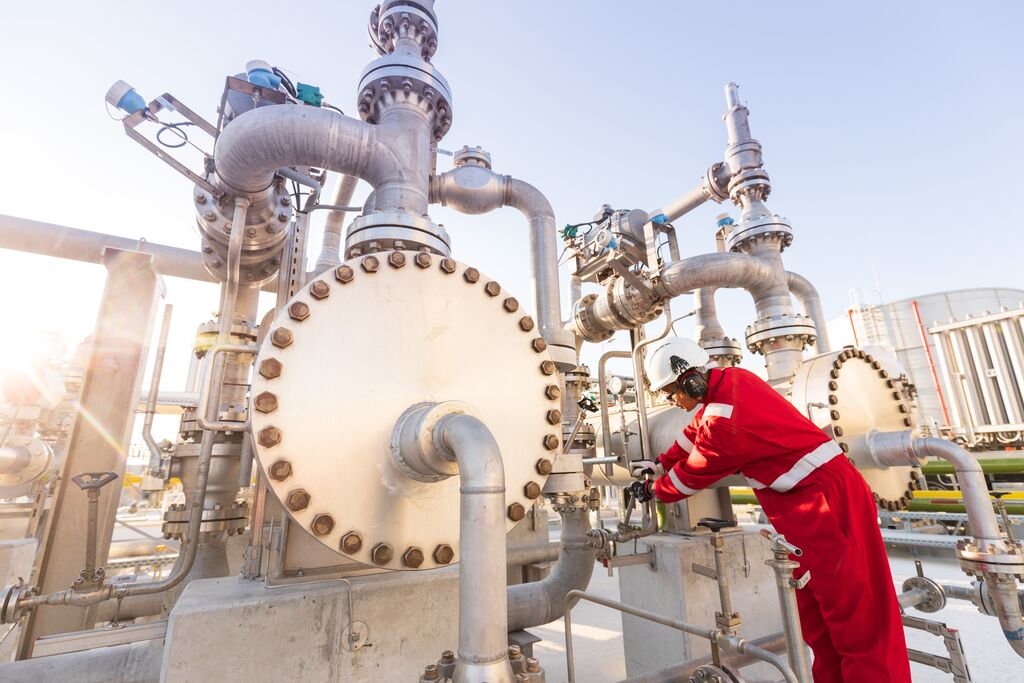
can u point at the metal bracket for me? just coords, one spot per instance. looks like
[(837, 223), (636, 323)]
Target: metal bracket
[(704, 571), (802, 581), (256, 92), (206, 387), (955, 664), (648, 558)]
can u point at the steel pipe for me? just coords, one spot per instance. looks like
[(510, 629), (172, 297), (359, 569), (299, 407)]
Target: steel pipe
[(681, 672), (715, 270), (330, 250), (155, 457), (810, 305), (252, 148), (134, 663), (602, 388)]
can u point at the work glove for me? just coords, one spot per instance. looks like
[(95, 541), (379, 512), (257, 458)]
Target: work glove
[(642, 491), (642, 467)]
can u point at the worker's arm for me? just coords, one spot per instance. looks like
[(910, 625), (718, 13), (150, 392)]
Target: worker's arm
[(680, 449), (710, 459)]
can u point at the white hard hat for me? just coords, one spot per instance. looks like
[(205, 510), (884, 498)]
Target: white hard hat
[(671, 358)]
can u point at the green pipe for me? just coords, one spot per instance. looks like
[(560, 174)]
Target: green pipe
[(988, 466), (916, 505)]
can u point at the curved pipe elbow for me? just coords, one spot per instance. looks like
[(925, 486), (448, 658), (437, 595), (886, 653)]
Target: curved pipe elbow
[(252, 147), (810, 304), (473, 446)]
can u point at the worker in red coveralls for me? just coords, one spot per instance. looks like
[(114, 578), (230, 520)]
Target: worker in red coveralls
[(848, 611)]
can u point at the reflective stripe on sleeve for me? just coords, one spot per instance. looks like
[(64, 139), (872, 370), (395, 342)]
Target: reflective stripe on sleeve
[(682, 488), (805, 465), (717, 410), (684, 443), (755, 484)]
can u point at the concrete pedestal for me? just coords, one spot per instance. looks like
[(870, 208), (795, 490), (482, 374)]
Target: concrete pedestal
[(675, 590), (231, 629)]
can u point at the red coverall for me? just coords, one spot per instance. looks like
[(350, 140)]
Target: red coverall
[(813, 496)]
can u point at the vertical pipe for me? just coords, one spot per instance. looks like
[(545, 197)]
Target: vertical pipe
[(853, 327), (641, 389), (602, 388), (997, 353), (1015, 351), (330, 250), (154, 390), (927, 353), (980, 365)]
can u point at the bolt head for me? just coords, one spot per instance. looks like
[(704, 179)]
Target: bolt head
[(516, 512), (209, 215), (448, 265), (320, 289), (492, 288), (323, 524), (298, 311), (370, 264), (282, 217), (265, 402), (280, 470), (472, 275), (269, 437), (548, 367), (443, 554), (344, 274), (423, 260), (551, 442), (281, 337), (200, 198), (526, 323), (270, 368), (552, 391), (396, 259), (554, 417), (382, 553), (250, 232), (297, 500), (351, 543), (511, 304), (531, 490), (286, 201), (544, 466), (412, 557), (538, 345)]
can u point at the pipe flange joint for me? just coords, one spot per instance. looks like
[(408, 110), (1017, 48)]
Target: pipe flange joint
[(936, 597), (725, 351), (761, 225), (416, 446), (780, 331), (990, 562), (475, 156), (385, 231), (403, 79), (586, 324), (392, 18)]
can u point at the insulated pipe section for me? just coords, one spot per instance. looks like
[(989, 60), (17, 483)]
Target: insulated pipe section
[(541, 602), (257, 143), (330, 250), (134, 663), (464, 439), (810, 305), (473, 188)]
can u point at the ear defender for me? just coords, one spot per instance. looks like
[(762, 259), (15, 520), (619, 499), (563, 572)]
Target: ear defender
[(694, 383)]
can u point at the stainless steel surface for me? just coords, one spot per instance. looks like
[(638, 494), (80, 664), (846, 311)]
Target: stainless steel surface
[(109, 395), (682, 671), (810, 305), (330, 250), (135, 663), (783, 566), (155, 456), (465, 441), (388, 338)]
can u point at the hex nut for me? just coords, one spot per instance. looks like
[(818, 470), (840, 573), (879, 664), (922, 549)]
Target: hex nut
[(548, 367), (396, 259), (422, 260), (552, 391), (538, 345), (532, 665), (511, 304), (352, 542), (448, 265), (281, 337), (554, 417), (370, 264), (544, 466), (492, 288), (531, 490), (526, 323), (320, 289), (412, 557), (280, 470), (472, 275), (270, 368), (297, 500), (443, 554), (382, 553), (298, 311), (551, 442), (270, 436), (344, 274), (265, 402), (323, 524), (516, 512)]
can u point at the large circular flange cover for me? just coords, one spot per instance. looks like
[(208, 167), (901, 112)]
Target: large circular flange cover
[(847, 393), (349, 354)]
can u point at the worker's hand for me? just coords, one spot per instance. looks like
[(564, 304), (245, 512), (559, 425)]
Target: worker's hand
[(642, 467), (642, 491)]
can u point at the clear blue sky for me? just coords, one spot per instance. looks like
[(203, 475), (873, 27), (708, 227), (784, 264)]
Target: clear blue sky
[(889, 129)]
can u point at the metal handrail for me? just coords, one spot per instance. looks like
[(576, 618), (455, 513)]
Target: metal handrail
[(207, 383), (732, 642)]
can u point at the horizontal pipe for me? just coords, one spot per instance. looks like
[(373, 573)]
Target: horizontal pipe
[(715, 270), (683, 671), (132, 663), (988, 466), (532, 553)]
